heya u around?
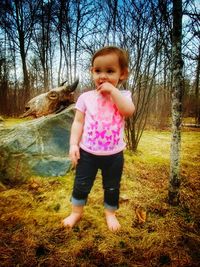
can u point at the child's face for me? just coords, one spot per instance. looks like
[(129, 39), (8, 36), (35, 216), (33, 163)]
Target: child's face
[(106, 68)]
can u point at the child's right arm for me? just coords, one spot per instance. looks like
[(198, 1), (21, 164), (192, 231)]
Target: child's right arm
[(76, 133)]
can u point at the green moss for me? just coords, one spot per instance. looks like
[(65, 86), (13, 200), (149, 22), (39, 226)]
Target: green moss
[(31, 215)]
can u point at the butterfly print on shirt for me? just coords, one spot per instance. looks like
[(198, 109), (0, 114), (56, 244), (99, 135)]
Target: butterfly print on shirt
[(94, 125), (104, 145), (116, 132), (100, 134), (108, 137)]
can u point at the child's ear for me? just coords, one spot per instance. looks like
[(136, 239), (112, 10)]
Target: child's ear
[(91, 69), (124, 75)]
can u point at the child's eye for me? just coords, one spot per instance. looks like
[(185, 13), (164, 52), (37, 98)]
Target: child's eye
[(110, 71), (97, 71)]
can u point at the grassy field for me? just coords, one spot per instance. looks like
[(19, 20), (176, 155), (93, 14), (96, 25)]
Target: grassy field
[(31, 233)]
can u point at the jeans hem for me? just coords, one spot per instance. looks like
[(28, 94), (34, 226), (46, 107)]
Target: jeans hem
[(106, 206), (78, 202)]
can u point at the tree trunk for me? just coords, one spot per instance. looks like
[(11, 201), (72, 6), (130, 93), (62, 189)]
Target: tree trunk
[(177, 89), (23, 52), (197, 106), (25, 70)]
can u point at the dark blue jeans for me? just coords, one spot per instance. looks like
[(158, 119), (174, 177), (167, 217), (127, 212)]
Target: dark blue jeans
[(111, 168)]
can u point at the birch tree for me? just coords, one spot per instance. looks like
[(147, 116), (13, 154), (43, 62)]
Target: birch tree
[(177, 89)]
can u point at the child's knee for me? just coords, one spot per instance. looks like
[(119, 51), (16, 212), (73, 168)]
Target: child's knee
[(78, 194), (111, 196)]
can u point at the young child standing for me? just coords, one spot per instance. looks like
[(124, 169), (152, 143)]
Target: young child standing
[(96, 140)]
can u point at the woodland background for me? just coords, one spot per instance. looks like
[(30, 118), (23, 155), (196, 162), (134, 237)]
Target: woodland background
[(44, 42)]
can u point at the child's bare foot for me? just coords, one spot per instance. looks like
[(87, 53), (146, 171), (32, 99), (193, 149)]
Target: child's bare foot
[(74, 217), (112, 222), (71, 220)]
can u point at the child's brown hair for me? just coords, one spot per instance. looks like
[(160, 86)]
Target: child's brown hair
[(121, 53)]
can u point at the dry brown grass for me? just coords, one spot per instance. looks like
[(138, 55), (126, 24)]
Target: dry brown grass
[(31, 233)]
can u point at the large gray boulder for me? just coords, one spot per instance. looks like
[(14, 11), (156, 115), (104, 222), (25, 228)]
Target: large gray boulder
[(36, 148)]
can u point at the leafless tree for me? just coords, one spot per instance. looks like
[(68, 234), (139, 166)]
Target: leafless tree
[(144, 43), (18, 20), (191, 51), (41, 45), (177, 90), (197, 93)]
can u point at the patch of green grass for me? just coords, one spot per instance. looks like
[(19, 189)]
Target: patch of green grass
[(31, 233), (153, 148), (190, 150)]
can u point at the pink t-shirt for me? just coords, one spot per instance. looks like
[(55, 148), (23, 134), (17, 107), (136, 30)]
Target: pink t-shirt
[(103, 130)]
